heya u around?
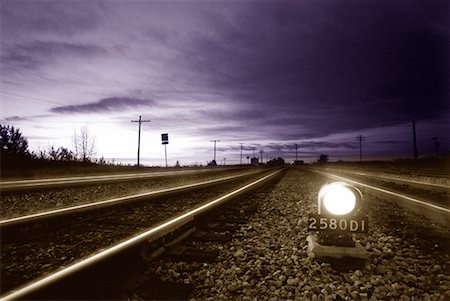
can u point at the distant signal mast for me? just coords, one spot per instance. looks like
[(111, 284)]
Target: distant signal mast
[(165, 141)]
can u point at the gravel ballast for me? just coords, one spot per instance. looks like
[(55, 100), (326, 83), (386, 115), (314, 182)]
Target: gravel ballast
[(50, 248), (268, 260)]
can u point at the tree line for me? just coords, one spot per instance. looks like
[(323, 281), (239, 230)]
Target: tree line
[(14, 148)]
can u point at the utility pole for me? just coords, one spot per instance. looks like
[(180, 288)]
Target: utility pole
[(416, 154), (253, 151), (436, 145), (296, 152), (361, 139), (139, 137), (261, 155), (215, 141), (241, 151)]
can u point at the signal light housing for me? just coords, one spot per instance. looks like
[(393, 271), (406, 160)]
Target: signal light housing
[(338, 219)]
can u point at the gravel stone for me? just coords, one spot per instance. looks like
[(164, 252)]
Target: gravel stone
[(277, 266), (18, 204)]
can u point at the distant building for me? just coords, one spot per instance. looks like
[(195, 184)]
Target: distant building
[(254, 161), (277, 161), (299, 162)]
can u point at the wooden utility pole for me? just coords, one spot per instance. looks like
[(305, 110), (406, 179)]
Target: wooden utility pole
[(436, 145), (215, 141), (361, 138), (139, 137), (241, 152), (416, 154)]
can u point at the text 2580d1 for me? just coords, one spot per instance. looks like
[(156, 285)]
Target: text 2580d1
[(344, 224)]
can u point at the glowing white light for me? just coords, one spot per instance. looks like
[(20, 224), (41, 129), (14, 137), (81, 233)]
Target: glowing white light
[(337, 198)]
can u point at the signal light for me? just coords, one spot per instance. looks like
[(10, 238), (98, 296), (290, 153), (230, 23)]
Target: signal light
[(339, 199)]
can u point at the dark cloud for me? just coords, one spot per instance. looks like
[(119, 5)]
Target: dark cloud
[(310, 147), (389, 142), (104, 105), (32, 55), (59, 17), (328, 145), (338, 67)]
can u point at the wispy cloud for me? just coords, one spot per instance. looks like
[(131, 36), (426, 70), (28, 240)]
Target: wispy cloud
[(103, 105), (31, 55), (15, 118)]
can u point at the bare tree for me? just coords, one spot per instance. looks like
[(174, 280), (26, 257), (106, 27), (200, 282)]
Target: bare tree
[(84, 144)]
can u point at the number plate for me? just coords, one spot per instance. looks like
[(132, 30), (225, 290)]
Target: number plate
[(327, 223)]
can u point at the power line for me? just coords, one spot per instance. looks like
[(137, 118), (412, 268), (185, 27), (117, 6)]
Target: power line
[(31, 98), (139, 137)]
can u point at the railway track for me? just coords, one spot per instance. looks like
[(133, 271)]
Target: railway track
[(27, 220), (421, 172), (429, 199), (259, 243), (82, 230), (20, 202), (427, 185), (21, 186)]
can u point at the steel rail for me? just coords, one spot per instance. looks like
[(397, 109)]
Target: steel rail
[(52, 182), (149, 235), (416, 201), (91, 206), (397, 179)]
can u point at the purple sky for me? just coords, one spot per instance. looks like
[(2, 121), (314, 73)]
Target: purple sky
[(269, 74)]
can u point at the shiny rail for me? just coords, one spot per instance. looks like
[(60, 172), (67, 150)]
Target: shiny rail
[(382, 190), (435, 213), (150, 235), (390, 178), (70, 181)]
